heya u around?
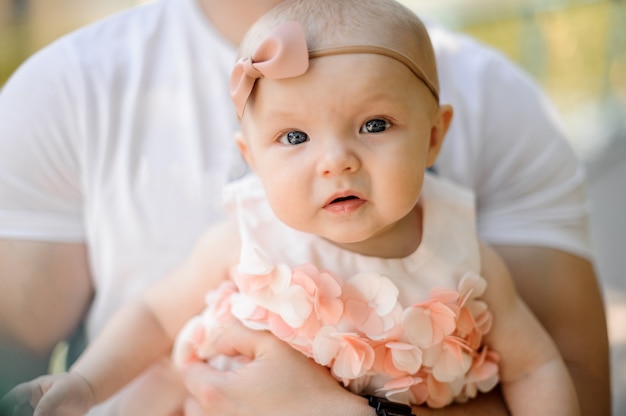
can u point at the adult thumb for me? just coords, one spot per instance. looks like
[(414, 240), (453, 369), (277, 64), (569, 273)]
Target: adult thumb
[(237, 340)]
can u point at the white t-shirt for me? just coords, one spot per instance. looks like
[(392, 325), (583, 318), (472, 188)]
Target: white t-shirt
[(120, 136)]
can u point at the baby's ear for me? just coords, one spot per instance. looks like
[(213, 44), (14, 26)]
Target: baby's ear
[(242, 144), (441, 122)]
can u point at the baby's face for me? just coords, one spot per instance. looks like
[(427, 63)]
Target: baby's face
[(341, 150)]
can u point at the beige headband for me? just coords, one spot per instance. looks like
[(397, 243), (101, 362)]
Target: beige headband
[(284, 54)]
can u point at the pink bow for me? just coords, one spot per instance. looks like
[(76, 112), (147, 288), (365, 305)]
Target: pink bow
[(283, 54)]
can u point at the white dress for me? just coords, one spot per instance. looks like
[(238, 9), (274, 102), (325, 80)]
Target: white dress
[(409, 328)]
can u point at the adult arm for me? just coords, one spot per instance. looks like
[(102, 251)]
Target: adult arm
[(45, 289), (45, 282), (530, 363), (562, 291)]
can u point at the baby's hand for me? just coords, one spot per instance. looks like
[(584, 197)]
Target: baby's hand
[(64, 394)]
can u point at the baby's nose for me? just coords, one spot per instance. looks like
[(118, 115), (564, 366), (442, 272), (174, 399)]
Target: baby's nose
[(337, 159)]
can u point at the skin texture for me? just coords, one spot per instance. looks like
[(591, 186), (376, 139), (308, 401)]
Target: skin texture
[(542, 276)]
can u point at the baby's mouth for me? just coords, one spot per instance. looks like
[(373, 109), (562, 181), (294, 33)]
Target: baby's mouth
[(345, 198), (345, 204)]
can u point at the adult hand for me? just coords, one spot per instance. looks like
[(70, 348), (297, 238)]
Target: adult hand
[(64, 394), (277, 380)]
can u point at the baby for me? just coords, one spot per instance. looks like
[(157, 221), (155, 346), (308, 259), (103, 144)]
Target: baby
[(340, 243)]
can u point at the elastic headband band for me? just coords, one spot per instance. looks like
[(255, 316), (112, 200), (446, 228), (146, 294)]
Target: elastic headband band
[(284, 54), (379, 50)]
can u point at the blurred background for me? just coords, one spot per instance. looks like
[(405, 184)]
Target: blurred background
[(575, 49)]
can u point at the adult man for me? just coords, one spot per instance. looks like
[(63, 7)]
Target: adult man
[(115, 143)]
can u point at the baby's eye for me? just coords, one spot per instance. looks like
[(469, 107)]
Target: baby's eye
[(294, 137), (375, 125)]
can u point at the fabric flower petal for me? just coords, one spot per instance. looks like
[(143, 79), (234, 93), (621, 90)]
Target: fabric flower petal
[(348, 355), (295, 306), (472, 283), (254, 262), (453, 362), (428, 323), (405, 357), (400, 390)]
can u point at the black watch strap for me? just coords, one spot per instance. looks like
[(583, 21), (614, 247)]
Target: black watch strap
[(385, 407)]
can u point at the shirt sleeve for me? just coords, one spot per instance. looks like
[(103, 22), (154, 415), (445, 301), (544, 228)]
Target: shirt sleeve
[(40, 190), (529, 184)]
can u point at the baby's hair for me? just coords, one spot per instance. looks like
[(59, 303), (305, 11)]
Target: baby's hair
[(340, 22)]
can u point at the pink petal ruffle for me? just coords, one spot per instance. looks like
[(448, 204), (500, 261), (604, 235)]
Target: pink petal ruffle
[(428, 353)]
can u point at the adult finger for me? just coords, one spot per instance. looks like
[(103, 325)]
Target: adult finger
[(49, 403), (236, 339), (193, 408), (17, 396), (200, 379), (10, 407), (22, 399), (64, 394)]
